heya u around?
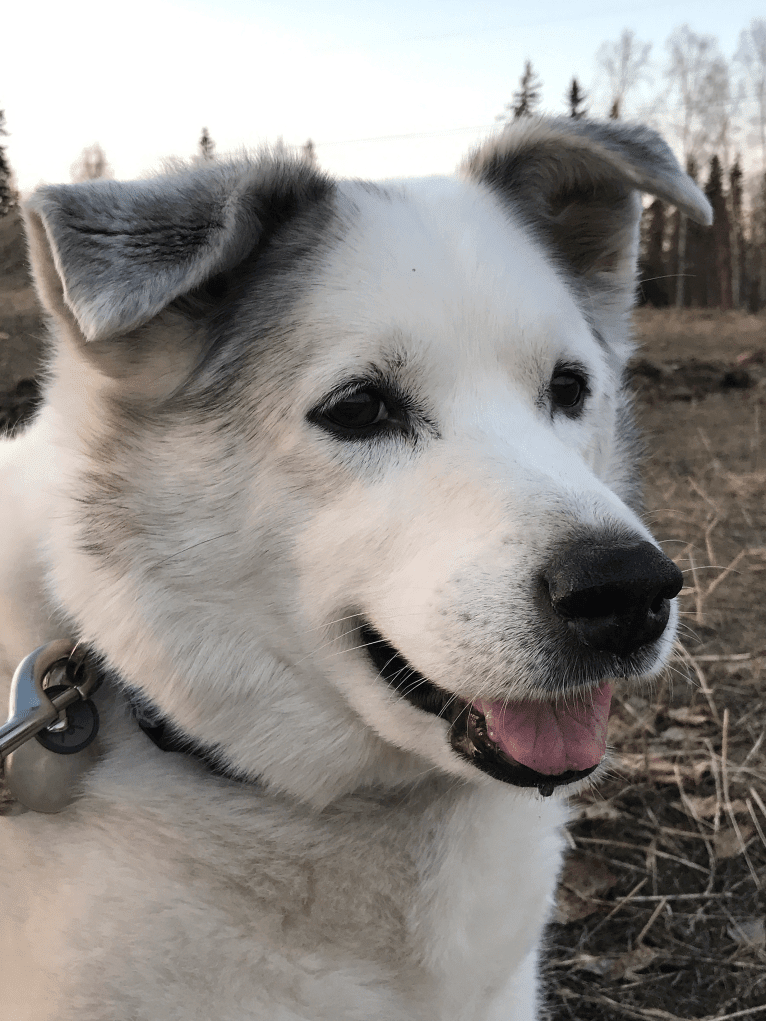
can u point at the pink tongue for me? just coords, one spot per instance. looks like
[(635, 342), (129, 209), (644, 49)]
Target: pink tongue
[(552, 737)]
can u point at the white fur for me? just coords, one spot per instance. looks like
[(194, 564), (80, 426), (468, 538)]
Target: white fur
[(370, 872)]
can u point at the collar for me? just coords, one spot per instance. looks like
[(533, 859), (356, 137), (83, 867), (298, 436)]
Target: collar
[(46, 746), (168, 737)]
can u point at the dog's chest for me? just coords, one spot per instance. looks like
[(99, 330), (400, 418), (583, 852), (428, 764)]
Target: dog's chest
[(409, 912)]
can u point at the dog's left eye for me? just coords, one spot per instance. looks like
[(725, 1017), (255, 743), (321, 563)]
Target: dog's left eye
[(358, 413), (568, 389)]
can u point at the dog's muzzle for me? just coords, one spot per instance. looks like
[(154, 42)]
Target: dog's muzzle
[(607, 601)]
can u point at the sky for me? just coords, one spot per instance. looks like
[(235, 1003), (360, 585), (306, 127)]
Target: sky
[(384, 88)]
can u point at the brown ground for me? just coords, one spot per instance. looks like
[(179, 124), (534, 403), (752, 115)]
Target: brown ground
[(661, 908), (662, 904)]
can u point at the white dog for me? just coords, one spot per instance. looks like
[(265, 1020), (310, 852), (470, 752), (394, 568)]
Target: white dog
[(334, 486)]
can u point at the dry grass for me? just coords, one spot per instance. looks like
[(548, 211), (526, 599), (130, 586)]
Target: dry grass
[(662, 905)]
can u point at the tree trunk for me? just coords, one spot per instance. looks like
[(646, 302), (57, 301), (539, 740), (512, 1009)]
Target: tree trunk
[(681, 270)]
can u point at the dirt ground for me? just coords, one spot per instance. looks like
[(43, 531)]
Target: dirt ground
[(661, 908)]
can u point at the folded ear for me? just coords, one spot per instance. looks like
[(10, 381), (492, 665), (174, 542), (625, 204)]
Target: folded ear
[(577, 184), (107, 256)]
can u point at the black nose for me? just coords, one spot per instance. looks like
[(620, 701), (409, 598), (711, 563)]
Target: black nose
[(614, 595)]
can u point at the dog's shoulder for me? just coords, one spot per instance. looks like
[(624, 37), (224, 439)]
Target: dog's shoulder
[(28, 467)]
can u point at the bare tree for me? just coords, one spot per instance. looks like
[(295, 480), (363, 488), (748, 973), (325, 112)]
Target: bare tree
[(91, 164), (751, 60), (625, 64), (698, 98), (698, 91)]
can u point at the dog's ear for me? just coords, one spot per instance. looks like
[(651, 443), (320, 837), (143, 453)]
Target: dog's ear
[(577, 183), (107, 256)]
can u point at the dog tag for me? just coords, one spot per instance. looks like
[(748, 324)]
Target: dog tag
[(44, 780)]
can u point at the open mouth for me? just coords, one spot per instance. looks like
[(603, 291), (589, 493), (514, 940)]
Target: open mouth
[(527, 744)]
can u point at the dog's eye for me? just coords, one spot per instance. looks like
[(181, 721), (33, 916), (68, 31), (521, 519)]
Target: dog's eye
[(358, 413), (567, 389)]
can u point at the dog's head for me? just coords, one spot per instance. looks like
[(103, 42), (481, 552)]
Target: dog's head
[(347, 475)]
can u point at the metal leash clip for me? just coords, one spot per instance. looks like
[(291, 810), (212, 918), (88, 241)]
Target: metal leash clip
[(52, 723)]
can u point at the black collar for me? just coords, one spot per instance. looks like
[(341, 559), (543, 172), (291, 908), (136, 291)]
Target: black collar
[(170, 738)]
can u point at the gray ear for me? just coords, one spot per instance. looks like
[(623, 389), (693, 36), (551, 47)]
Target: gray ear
[(114, 254), (576, 183)]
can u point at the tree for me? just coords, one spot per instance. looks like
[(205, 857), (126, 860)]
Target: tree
[(698, 92), (695, 72), (654, 283), (718, 248), (8, 196), (526, 99), (625, 64), (576, 100), (737, 236), (309, 152), (91, 164), (751, 60), (206, 146), (758, 283)]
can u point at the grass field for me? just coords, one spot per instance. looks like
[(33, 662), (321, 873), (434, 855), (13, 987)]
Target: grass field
[(661, 908)]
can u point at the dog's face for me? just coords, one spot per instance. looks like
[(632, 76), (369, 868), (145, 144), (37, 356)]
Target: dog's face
[(348, 481)]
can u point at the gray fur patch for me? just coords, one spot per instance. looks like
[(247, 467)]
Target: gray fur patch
[(124, 250), (575, 183)]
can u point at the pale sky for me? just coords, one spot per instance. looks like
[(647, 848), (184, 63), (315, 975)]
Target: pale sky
[(143, 78)]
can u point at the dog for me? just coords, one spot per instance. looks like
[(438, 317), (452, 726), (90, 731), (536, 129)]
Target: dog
[(333, 495)]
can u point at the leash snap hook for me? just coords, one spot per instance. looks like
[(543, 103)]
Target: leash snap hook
[(46, 742)]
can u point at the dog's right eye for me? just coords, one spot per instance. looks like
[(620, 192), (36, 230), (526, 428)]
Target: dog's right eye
[(356, 415)]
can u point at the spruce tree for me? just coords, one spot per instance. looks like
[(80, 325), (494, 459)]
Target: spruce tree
[(526, 100), (206, 146), (576, 101), (716, 254), (654, 281), (737, 236), (758, 234)]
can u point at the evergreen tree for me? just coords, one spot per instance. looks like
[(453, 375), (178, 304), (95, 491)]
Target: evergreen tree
[(8, 195), (576, 101), (717, 251), (737, 236), (309, 152), (206, 146), (684, 252), (758, 234), (654, 281), (526, 99), (614, 112)]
